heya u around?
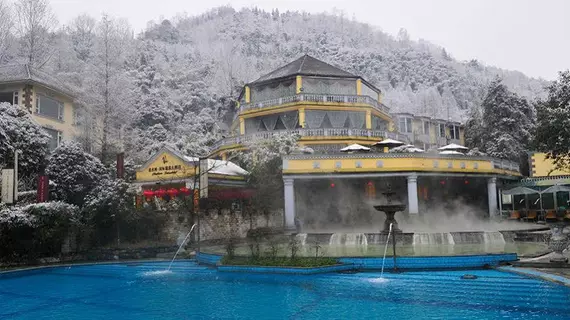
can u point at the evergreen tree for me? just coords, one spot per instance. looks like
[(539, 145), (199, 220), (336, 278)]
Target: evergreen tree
[(74, 173), (553, 130), (506, 124), (19, 131)]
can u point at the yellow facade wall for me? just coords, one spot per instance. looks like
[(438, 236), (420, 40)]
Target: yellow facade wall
[(355, 165), (241, 126), (461, 136), (542, 167), (302, 117), (298, 84), (66, 127), (247, 95)]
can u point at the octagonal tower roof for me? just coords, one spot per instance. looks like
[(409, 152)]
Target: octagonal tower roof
[(305, 66)]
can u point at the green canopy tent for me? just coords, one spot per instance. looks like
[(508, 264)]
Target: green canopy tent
[(554, 189), (521, 190)]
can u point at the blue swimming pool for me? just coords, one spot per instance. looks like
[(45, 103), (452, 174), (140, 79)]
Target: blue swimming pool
[(137, 291)]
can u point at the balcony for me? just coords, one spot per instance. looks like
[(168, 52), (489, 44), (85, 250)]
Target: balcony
[(317, 98), (303, 133)]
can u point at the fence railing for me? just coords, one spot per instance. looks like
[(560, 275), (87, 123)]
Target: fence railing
[(314, 97), (321, 132)]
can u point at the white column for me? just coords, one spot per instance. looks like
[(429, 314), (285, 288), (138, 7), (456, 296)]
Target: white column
[(492, 196), (413, 194), (289, 204)]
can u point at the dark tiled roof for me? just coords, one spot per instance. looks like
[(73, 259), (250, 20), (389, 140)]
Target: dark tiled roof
[(22, 73), (308, 66)]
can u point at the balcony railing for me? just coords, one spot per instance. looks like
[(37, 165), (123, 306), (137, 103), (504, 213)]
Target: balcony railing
[(329, 132), (314, 97)]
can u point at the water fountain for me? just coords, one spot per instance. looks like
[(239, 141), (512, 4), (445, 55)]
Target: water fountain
[(558, 242), (181, 245), (348, 239), (390, 224), (390, 210), (386, 250)]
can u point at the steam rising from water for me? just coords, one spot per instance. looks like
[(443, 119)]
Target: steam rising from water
[(345, 209)]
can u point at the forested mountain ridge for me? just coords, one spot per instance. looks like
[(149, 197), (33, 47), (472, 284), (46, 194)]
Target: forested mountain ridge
[(176, 81), (416, 77)]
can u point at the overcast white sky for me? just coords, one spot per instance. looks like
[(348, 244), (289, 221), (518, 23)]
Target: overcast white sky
[(529, 36)]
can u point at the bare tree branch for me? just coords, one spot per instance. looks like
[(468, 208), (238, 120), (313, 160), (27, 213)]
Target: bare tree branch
[(35, 22)]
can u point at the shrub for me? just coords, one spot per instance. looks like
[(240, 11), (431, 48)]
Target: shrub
[(35, 230), (303, 262)]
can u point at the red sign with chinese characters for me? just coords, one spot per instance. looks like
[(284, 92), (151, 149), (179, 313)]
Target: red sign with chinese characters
[(43, 189)]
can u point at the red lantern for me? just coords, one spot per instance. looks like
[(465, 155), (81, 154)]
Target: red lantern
[(148, 194), (332, 185), (442, 182), (172, 192), (370, 183), (160, 193), (185, 191), (466, 181)]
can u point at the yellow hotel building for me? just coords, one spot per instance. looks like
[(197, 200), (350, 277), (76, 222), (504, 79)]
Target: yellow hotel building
[(48, 100), (329, 109)]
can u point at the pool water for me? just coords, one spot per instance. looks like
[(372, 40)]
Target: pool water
[(144, 291), (376, 250)]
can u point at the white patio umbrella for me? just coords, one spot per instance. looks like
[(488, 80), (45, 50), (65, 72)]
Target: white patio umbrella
[(354, 147), (453, 147), (451, 152), (406, 148), (390, 143)]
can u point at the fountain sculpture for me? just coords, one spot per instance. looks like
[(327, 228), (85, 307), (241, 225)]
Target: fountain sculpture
[(558, 242), (390, 208)]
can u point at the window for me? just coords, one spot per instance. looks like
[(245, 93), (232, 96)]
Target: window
[(75, 116), (454, 132), (55, 138), (405, 125), (49, 107), (10, 97), (426, 127), (441, 130)]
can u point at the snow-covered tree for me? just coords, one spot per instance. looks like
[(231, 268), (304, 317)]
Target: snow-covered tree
[(35, 230), (264, 162), (505, 128), (553, 129), (74, 173), (19, 132), (82, 32), (109, 207), (107, 87), (34, 22), (6, 26)]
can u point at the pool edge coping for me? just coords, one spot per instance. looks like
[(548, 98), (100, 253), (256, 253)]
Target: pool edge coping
[(535, 274), (48, 266)]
